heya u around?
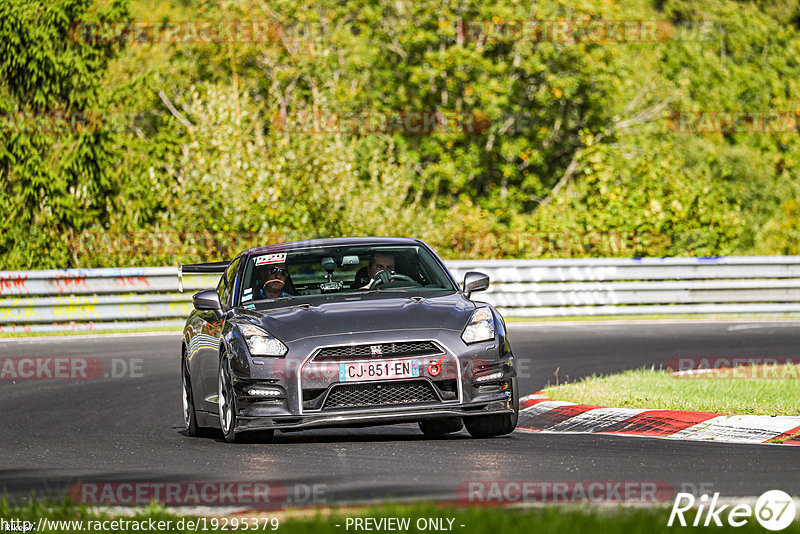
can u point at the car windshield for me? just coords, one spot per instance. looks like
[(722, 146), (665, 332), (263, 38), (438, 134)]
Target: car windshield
[(341, 270)]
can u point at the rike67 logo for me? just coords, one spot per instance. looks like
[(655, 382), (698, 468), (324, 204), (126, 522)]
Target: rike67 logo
[(774, 510)]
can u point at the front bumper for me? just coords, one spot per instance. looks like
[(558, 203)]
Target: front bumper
[(388, 415), (479, 398), (469, 381)]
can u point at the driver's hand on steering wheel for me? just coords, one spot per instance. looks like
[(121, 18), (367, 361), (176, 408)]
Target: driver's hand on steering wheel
[(381, 277), (385, 276)]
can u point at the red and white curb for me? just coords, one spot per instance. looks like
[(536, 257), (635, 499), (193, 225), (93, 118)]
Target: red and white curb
[(541, 414)]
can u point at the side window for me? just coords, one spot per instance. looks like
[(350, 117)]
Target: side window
[(221, 286), (225, 288)]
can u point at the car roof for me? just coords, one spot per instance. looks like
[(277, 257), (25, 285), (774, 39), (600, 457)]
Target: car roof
[(333, 242)]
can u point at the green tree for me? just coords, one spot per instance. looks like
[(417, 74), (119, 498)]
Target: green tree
[(56, 178)]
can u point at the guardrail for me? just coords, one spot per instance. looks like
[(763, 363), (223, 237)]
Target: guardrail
[(96, 299), (128, 298), (616, 286)]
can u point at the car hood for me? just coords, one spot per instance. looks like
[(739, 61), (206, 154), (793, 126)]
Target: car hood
[(369, 313)]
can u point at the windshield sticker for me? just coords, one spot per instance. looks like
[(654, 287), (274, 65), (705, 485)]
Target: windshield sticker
[(271, 258), (248, 290), (245, 298), (249, 306)]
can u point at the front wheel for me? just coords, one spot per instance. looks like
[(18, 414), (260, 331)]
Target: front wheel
[(189, 414), (226, 401), (227, 411), (489, 426)]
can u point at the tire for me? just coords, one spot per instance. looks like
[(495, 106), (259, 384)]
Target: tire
[(440, 427), (227, 411), (189, 414), (489, 426), (226, 401)]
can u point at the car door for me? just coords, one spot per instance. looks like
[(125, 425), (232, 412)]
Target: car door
[(208, 353)]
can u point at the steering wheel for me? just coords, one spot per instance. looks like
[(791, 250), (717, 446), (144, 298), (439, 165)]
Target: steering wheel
[(384, 277)]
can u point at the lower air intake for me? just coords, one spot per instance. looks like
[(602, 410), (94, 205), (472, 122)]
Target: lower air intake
[(384, 394)]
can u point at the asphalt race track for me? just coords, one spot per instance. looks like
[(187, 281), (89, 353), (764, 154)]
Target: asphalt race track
[(126, 426)]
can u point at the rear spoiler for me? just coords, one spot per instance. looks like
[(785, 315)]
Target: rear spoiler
[(206, 268)]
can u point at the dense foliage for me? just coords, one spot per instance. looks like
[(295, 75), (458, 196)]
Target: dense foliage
[(190, 148)]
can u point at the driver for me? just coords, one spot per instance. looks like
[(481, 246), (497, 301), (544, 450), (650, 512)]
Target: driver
[(380, 261), (276, 279)]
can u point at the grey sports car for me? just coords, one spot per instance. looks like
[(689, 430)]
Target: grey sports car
[(344, 332)]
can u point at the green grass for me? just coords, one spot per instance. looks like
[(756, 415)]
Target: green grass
[(657, 389), (563, 519)]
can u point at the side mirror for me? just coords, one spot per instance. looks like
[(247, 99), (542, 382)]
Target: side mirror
[(475, 281), (207, 300)]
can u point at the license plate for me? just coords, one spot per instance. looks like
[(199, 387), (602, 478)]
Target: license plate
[(380, 370)]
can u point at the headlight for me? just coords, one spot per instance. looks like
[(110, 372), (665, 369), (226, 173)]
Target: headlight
[(480, 327), (261, 343)]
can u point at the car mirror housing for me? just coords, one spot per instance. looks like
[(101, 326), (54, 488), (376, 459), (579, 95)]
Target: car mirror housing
[(207, 300), (475, 281)]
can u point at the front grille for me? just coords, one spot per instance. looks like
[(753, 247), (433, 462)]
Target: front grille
[(383, 394), (378, 350)]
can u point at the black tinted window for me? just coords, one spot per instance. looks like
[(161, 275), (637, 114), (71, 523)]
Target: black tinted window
[(328, 270)]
